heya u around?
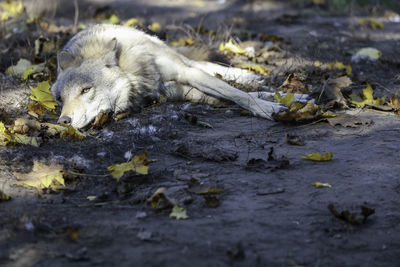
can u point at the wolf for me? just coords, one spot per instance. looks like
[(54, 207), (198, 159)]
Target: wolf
[(115, 69)]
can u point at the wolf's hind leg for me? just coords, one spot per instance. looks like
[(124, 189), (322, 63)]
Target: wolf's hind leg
[(177, 91), (229, 73)]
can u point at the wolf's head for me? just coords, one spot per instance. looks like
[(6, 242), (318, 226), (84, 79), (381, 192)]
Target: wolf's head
[(87, 85)]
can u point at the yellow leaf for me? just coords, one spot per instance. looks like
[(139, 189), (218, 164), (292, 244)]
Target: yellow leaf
[(321, 185), (27, 140), (318, 157), (339, 65), (287, 100), (70, 131), (42, 176), (28, 72), (256, 68), (178, 213), (183, 42), (5, 136), (155, 27), (113, 19), (366, 98), (10, 9), (138, 164), (370, 52), (4, 196), (41, 94), (372, 23), (229, 46), (131, 22)]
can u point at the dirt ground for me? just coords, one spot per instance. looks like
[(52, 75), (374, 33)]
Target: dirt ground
[(268, 214)]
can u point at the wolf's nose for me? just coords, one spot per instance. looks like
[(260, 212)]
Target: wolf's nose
[(64, 120)]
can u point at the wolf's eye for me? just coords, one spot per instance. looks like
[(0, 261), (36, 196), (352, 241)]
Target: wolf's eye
[(85, 90)]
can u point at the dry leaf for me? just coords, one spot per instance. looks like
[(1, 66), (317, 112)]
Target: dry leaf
[(318, 157), (255, 68), (4, 196), (299, 112), (178, 213), (100, 119), (367, 97), (41, 94), (287, 100), (340, 66), (292, 84), (371, 23), (155, 27), (10, 9), (347, 120), (332, 89), (321, 185), (294, 140), (230, 47), (132, 22), (159, 200), (137, 164), (42, 176), (369, 52), (183, 42)]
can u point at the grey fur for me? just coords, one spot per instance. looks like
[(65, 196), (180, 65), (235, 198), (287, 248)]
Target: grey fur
[(116, 68)]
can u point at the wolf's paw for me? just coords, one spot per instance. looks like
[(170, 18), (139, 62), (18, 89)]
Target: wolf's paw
[(266, 109)]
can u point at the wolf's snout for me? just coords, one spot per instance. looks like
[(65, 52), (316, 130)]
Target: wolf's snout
[(64, 120)]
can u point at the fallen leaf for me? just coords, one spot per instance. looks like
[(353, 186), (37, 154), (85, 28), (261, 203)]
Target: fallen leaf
[(41, 94), (292, 84), (137, 164), (203, 189), (5, 135), (340, 66), (42, 176), (10, 9), (27, 140), (287, 100), (321, 185), (318, 157), (370, 52), (371, 23), (178, 213), (183, 42), (350, 217), (319, 2), (155, 27), (395, 103), (294, 140), (211, 201), (4, 196), (366, 98), (347, 120), (159, 200), (18, 69), (332, 89), (230, 47), (70, 131), (255, 68), (91, 198), (131, 22), (100, 119), (298, 112)]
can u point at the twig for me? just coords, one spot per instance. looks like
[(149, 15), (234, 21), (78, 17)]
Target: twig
[(76, 6)]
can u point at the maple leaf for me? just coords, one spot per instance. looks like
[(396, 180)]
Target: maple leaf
[(154, 27), (287, 100), (339, 65), (183, 42), (138, 164), (256, 68), (159, 199), (318, 157), (42, 176), (178, 213), (366, 98), (41, 94), (5, 135)]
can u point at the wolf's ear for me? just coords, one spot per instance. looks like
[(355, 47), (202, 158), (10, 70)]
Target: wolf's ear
[(64, 60), (111, 57)]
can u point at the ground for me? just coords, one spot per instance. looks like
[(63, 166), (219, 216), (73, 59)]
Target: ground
[(268, 213)]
